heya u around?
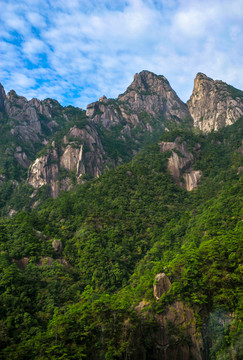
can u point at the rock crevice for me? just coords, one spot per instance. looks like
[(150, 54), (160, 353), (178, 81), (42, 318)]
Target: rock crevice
[(180, 164)]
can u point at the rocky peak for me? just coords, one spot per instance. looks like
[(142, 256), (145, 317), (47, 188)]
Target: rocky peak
[(214, 104), (2, 97), (12, 96), (147, 100), (145, 81), (34, 118), (153, 94)]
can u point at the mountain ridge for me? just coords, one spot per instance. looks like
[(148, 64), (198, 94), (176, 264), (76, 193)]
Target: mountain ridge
[(111, 131)]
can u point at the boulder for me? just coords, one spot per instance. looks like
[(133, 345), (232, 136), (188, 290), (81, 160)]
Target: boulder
[(57, 246), (161, 286)]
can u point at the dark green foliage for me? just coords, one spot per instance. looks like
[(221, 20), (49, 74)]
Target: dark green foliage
[(114, 145), (118, 232), (235, 93)]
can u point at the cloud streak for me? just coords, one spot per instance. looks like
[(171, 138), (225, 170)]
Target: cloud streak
[(76, 51)]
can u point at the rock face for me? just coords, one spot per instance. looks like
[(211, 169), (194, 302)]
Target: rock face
[(33, 118), (177, 324), (83, 154), (2, 99), (32, 123), (153, 94), (176, 335), (148, 97), (21, 157), (161, 286), (180, 164), (44, 171), (214, 104)]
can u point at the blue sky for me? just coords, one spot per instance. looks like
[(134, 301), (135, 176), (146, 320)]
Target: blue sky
[(75, 51)]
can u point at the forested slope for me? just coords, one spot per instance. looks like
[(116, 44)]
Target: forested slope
[(77, 273)]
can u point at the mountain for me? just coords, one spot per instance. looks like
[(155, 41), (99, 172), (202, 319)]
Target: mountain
[(141, 256), (33, 121), (148, 98), (67, 146), (214, 104), (116, 130), (131, 265), (26, 128), (111, 133)]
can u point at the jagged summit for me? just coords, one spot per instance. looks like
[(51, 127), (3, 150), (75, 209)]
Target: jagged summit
[(2, 98), (145, 81), (201, 75), (214, 104), (148, 93)]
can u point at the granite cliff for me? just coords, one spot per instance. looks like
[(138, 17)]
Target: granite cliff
[(32, 120), (180, 163), (79, 153), (148, 99), (214, 104)]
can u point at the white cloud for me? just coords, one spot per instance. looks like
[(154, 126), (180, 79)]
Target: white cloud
[(36, 19), (33, 46), (78, 50), (22, 81)]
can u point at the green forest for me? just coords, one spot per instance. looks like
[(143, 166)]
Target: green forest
[(77, 272)]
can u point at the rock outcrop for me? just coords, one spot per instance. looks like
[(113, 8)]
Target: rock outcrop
[(21, 263), (148, 98), (81, 153), (178, 337), (161, 286), (175, 334), (214, 104), (21, 157), (44, 171), (180, 164), (33, 120), (57, 246), (2, 99)]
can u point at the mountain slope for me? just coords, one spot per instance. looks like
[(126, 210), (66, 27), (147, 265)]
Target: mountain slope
[(75, 147), (93, 296), (144, 261)]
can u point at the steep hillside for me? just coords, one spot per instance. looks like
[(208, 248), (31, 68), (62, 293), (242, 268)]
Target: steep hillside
[(132, 265), (141, 256)]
